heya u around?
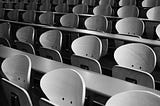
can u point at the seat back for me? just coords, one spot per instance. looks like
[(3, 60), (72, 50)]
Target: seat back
[(5, 30), (130, 26), (69, 20), (127, 2), (62, 8), (45, 7), (89, 2), (32, 6), (80, 9), (45, 102), (128, 11), (15, 95), (13, 15), (17, 69), (51, 39), (86, 63), (26, 34), (134, 98), (54, 82), (24, 46), (137, 56), (153, 13), (134, 76), (149, 3), (87, 46), (55, 2), (107, 2), (105, 10), (50, 54), (29, 16), (72, 2), (47, 18)]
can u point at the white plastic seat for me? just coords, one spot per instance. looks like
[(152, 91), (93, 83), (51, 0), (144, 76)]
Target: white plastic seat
[(137, 56), (98, 23), (62, 8), (89, 2), (149, 3), (15, 95), (80, 9), (106, 2), (26, 34), (105, 10), (127, 2), (87, 46), (51, 39), (47, 18), (64, 87), (72, 2), (29, 16), (17, 69), (153, 13), (134, 76), (134, 98), (31, 6), (86, 63), (13, 15), (128, 11)]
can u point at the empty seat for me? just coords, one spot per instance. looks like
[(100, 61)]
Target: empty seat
[(128, 11), (15, 95), (89, 2), (72, 2), (32, 6), (26, 34), (13, 15), (80, 9), (107, 2), (153, 13), (127, 2), (64, 78), (62, 8), (47, 18), (55, 2), (105, 10), (137, 56), (134, 98), (17, 69), (5, 30), (134, 76), (29, 16), (45, 7), (20, 5), (149, 3)]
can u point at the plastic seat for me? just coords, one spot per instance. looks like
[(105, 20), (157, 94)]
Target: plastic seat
[(106, 2), (86, 63), (80, 9), (134, 76), (17, 69), (89, 2), (24, 46), (72, 2), (69, 90), (87, 46), (20, 5), (149, 3), (51, 39), (55, 2), (45, 102), (127, 2), (105, 10), (5, 30), (13, 15), (139, 56), (134, 98), (26, 34), (52, 54), (128, 11), (62, 8), (32, 6), (47, 18), (130, 26), (29, 16), (15, 95), (98, 23), (153, 13), (45, 7)]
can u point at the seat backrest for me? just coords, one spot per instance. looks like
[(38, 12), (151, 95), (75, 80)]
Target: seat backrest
[(107, 2), (69, 20), (62, 8), (153, 13), (26, 34), (55, 2), (29, 16), (45, 102), (137, 56), (134, 76), (50, 54), (15, 95), (51, 39), (5, 30), (128, 11), (130, 26), (24, 46), (45, 7), (89, 2), (72, 2), (80, 9), (149, 3), (105, 10), (13, 15), (134, 98), (47, 18), (19, 5), (87, 46), (17, 69), (86, 63), (127, 2), (31, 6), (54, 82)]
